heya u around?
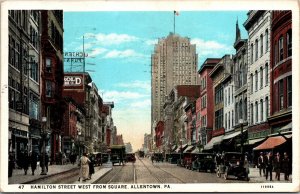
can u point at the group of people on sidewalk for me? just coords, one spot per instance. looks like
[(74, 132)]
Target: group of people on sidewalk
[(267, 163), (27, 160), (86, 167)]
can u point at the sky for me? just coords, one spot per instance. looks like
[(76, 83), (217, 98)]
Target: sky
[(119, 47)]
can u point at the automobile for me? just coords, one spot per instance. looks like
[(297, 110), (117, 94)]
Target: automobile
[(174, 157), (117, 154), (104, 158), (130, 157), (233, 167), (158, 157), (204, 162)]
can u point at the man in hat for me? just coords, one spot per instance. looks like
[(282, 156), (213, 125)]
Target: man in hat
[(261, 164)]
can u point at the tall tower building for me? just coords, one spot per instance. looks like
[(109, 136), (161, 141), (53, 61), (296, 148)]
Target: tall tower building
[(174, 62)]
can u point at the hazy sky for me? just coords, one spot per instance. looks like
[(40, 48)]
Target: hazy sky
[(120, 46)]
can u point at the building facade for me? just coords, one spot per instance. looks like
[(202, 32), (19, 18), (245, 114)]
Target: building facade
[(258, 26), (281, 74), (206, 100), (174, 62), (24, 99)]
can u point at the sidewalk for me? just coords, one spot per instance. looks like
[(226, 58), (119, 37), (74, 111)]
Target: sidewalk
[(19, 177), (256, 178), (96, 176)]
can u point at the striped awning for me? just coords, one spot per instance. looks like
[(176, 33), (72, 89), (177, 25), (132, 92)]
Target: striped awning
[(213, 141), (271, 143)]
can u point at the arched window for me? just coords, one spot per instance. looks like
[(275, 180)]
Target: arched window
[(232, 117), (226, 121), (241, 75), (256, 50), (280, 48), (261, 110), (229, 95), (261, 77), (289, 42), (267, 106), (256, 112), (267, 74), (245, 109), (256, 80), (251, 83), (261, 45), (251, 54), (245, 73), (229, 120), (236, 112), (251, 114), (267, 40), (225, 97), (241, 109)]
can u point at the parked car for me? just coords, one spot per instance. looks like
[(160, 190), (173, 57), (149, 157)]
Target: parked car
[(204, 162), (130, 157)]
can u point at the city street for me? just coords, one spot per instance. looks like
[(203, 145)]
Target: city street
[(144, 171)]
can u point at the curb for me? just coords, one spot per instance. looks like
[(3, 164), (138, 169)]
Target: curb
[(102, 176), (47, 176)]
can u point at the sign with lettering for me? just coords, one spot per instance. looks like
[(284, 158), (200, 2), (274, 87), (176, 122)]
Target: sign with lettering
[(218, 132), (73, 81)]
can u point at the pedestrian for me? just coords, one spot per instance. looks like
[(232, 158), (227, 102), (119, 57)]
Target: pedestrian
[(84, 167), (46, 161), (25, 160), (269, 165), (286, 166), (91, 166), (33, 161), (247, 166), (261, 164), (277, 166), (11, 165)]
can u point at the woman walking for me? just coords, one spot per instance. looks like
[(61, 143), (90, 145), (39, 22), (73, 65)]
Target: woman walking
[(84, 167)]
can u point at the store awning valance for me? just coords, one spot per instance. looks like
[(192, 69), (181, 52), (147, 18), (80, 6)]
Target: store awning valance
[(195, 151), (271, 143), (232, 135), (179, 148), (287, 127), (173, 148), (213, 141), (253, 141), (189, 149)]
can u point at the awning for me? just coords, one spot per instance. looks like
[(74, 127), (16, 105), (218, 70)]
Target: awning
[(213, 141), (232, 135), (271, 143), (183, 147), (195, 151), (173, 148), (287, 127), (288, 136), (253, 141), (188, 149)]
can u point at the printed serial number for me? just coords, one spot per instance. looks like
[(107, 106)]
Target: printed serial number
[(267, 186)]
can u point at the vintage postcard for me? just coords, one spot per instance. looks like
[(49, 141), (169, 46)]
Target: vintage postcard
[(149, 96)]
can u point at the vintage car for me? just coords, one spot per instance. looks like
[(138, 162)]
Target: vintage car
[(117, 154), (204, 162), (130, 157)]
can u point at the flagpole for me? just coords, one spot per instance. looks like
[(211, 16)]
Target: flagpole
[(174, 20)]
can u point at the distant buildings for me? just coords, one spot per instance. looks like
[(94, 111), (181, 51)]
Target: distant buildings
[(243, 102), (174, 62)]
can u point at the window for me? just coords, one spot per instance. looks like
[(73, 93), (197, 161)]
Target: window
[(225, 95), (261, 45), (261, 110), (289, 42), (289, 91), (219, 119), (229, 120), (203, 102), (232, 118), (34, 71), (256, 112), (251, 83), (251, 113), (256, 50), (245, 109), (48, 88), (34, 106), (256, 80), (251, 54), (275, 53), (280, 94), (240, 110), (229, 96), (48, 64), (266, 74), (267, 107), (218, 94), (225, 121), (280, 51), (261, 77), (267, 40)]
